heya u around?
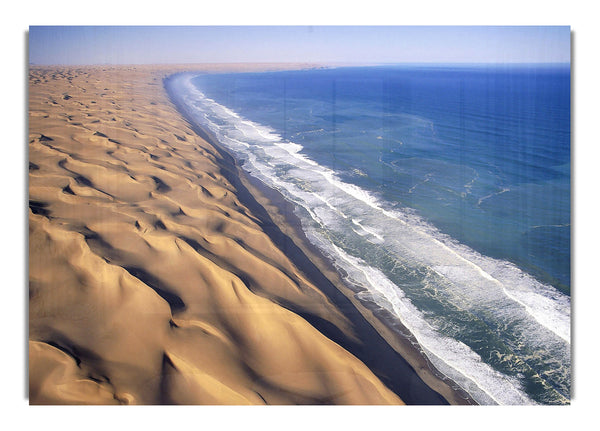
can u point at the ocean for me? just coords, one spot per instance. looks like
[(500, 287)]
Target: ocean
[(442, 194)]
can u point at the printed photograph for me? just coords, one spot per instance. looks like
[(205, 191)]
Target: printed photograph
[(299, 215)]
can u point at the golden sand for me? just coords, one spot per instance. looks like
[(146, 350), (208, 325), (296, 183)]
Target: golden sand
[(150, 282)]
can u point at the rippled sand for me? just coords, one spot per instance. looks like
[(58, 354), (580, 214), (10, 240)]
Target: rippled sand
[(150, 281)]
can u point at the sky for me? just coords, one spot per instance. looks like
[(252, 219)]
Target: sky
[(322, 44)]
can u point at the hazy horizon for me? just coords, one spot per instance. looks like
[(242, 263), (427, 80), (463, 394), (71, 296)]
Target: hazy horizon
[(360, 45)]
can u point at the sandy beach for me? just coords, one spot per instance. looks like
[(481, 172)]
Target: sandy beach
[(160, 274)]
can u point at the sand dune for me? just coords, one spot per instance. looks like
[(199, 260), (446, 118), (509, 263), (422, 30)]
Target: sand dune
[(150, 281)]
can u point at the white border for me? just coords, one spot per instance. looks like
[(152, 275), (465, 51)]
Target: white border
[(582, 19)]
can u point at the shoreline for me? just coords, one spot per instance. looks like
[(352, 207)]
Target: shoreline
[(284, 227), (160, 273)]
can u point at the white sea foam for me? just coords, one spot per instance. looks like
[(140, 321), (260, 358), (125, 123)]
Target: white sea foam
[(491, 195), (451, 357), (369, 231), (538, 314)]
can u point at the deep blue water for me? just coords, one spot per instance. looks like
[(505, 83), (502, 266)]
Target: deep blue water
[(443, 192)]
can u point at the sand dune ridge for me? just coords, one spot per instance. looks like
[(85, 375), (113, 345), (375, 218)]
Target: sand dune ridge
[(150, 281)]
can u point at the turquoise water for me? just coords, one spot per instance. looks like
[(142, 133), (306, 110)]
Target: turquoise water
[(442, 192)]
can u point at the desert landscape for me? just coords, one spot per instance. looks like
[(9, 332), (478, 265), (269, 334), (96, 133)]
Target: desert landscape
[(158, 274)]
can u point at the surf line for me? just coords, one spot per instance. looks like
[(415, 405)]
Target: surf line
[(424, 340), (365, 197)]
